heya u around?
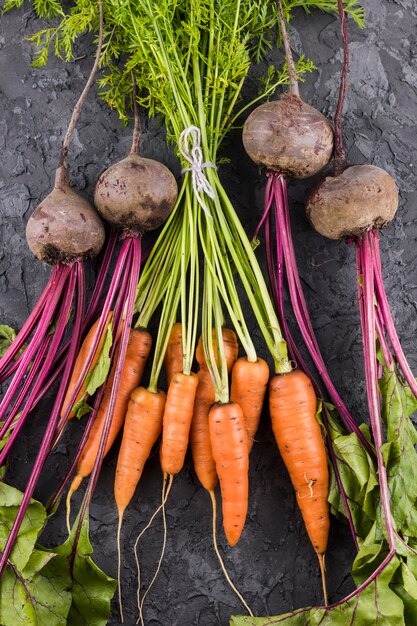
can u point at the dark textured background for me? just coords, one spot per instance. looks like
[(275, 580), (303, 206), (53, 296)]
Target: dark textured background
[(273, 563)]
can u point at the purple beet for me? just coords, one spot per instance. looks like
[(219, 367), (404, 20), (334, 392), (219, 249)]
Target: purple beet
[(360, 199), (64, 227), (289, 136)]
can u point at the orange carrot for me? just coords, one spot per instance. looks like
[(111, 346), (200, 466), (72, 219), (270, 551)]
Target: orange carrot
[(230, 346), (293, 405), (142, 427), (174, 353), (79, 363), (178, 414), (230, 452), (204, 464), (138, 349), (248, 388)]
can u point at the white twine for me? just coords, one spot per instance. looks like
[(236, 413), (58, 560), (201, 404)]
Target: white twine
[(189, 144)]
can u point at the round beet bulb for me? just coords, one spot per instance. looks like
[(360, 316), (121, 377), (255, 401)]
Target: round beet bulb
[(362, 198), (289, 136), (64, 227), (136, 194)]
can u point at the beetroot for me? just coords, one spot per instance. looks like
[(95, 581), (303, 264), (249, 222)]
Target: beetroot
[(136, 194), (362, 198), (64, 227), (289, 136)]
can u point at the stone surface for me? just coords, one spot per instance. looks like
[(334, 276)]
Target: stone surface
[(273, 564)]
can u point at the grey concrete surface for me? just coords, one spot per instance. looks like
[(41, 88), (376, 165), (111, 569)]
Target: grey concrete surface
[(273, 564)]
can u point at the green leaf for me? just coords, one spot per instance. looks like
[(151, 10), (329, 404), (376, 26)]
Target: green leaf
[(357, 472), (7, 334), (92, 589), (39, 594), (10, 499), (81, 408), (399, 452), (96, 378)]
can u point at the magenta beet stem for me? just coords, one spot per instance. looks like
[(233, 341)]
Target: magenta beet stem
[(27, 327), (129, 303), (372, 240), (119, 269), (76, 274), (370, 360), (41, 331), (93, 307), (25, 389)]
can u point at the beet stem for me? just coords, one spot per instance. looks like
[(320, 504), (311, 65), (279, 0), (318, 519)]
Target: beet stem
[(28, 326), (339, 150), (137, 130), (40, 333), (121, 289), (372, 239), (61, 174), (90, 316), (34, 370), (75, 275), (128, 305), (368, 336), (119, 269), (292, 74)]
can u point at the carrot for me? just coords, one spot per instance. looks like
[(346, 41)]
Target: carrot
[(79, 363), (248, 388), (230, 452), (178, 414), (293, 405), (142, 427), (230, 346), (174, 352), (138, 349), (204, 464)]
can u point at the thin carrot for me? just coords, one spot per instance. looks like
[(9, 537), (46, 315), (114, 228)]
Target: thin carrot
[(142, 427), (293, 405), (138, 349), (248, 388), (178, 414), (230, 452), (174, 353), (204, 464), (79, 363)]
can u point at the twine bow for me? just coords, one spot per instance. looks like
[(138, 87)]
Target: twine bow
[(189, 145)]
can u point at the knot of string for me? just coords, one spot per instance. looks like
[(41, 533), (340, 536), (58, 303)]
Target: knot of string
[(189, 145)]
